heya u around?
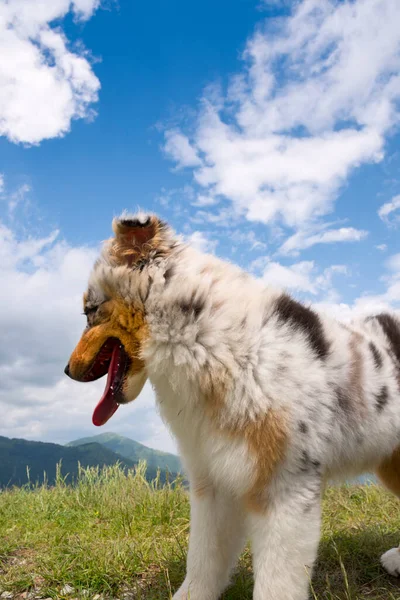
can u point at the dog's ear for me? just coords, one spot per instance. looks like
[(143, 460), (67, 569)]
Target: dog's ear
[(136, 238)]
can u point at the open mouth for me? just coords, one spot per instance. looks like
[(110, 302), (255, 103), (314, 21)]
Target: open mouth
[(111, 359)]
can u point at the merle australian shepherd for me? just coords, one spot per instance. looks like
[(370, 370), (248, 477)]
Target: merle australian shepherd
[(266, 399)]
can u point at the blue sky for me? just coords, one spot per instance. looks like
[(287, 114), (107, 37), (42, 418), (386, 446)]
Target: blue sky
[(265, 132), (153, 63)]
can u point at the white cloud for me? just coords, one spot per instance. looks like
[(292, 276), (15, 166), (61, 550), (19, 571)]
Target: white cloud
[(176, 199), (249, 238), (305, 239), (85, 8), (201, 242), (17, 198), (388, 208), (43, 280), (179, 148), (203, 200), (316, 99), (310, 283), (393, 264), (371, 303), (223, 218), (43, 83), (296, 277), (303, 276), (363, 306)]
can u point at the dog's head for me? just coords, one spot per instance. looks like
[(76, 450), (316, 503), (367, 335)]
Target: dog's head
[(114, 305)]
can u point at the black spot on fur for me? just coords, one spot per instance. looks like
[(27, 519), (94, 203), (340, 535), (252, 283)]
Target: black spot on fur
[(198, 307), (141, 264), (391, 327), (185, 307), (169, 273), (301, 317), (135, 222), (308, 463), (303, 427), (376, 354), (343, 400), (194, 306), (382, 398)]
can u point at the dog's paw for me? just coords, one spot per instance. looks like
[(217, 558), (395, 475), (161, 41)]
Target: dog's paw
[(195, 592), (182, 593), (391, 561)]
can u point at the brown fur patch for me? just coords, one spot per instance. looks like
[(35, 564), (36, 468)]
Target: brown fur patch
[(266, 437), (389, 472), (267, 440), (134, 241), (114, 319)]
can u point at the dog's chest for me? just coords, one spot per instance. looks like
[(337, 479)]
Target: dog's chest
[(207, 452)]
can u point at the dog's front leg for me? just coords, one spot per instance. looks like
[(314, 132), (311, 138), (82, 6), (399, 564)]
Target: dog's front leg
[(285, 535), (216, 539)]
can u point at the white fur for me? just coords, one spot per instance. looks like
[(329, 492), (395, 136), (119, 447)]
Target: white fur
[(217, 536), (272, 366), (135, 385), (284, 545), (391, 561)]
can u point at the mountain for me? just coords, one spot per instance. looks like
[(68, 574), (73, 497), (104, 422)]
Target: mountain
[(17, 455), (133, 451)]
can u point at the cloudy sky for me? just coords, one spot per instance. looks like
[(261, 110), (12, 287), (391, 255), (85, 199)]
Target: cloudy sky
[(265, 132)]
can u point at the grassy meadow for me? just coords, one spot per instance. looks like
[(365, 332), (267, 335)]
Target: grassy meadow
[(114, 535)]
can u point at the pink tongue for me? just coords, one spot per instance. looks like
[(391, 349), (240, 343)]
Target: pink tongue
[(107, 405)]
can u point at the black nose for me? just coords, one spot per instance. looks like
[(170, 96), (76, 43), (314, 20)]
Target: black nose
[(66, 370)]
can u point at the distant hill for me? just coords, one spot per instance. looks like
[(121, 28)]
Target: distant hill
[(17, 454), (133, 451)]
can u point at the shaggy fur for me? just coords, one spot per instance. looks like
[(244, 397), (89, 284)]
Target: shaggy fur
[(266, 399)]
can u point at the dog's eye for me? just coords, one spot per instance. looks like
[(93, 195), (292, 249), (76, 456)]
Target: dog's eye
[(90, 311)]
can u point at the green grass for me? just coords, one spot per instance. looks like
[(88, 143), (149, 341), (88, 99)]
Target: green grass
[(118, 536)]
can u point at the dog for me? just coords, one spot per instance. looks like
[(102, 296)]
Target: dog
[(266, 398)]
